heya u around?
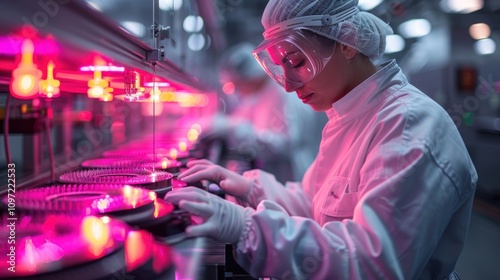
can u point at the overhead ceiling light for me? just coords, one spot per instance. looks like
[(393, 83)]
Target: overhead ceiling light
[(461, 6), (169, 5), (394, 43), (485, 46), (193, 23), (415, 28), (368, 4), (196, 42), (101, 5), (95, 5), (479, 31)]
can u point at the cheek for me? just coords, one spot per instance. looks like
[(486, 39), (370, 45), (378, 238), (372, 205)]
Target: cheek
[(328, 84), (326, 81), (335, 75)]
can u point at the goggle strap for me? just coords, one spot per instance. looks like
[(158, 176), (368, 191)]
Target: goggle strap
[(316, 20)]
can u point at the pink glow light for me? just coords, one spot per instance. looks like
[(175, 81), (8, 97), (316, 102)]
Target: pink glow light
[(12, 46), (102, 68), (157, 84)]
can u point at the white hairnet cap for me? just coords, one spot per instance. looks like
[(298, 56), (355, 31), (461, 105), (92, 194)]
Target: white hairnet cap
[(239, 62), (363, 31)]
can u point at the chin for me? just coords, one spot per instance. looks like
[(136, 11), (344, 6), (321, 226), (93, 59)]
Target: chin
[(319, 108)]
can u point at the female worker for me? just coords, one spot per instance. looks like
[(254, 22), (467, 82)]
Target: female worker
[(389, 195), (264, 126)]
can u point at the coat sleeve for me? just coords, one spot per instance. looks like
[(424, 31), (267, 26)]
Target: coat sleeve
[(396, 226)]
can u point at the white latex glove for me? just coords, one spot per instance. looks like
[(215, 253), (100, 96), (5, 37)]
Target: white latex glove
[(221, 219), (231, 182)]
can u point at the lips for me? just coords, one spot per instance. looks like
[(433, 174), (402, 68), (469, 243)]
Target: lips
[(306, 98)]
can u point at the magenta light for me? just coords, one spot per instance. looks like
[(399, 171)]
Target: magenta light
[(158, 84), (102, 68), (12, 46)]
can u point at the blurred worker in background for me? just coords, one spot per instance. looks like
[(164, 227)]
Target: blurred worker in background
[(390, 193), (267, 128)]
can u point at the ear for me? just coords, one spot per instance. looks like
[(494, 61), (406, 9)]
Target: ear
[(347, 51)]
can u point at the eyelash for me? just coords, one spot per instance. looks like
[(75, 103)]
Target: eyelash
[(300, 64)]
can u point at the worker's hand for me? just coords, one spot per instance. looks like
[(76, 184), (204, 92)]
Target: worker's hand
[(215, 128), (231, 182), (221, 219)]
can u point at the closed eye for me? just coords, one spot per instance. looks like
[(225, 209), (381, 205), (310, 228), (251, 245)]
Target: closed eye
[(300, 64), (294, 60)]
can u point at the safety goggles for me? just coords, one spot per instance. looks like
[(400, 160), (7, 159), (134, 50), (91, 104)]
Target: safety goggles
[(292, 53)]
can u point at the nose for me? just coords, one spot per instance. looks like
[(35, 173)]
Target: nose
[(291, 86)]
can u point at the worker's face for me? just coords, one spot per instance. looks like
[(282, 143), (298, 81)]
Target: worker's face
[(331, 84)]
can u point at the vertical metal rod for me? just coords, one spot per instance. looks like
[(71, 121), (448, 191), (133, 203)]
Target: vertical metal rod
[(49, 143), (154, 116), (156, 5)]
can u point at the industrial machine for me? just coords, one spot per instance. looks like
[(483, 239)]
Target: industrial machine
[(100, 116)]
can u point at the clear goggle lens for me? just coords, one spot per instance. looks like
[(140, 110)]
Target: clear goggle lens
[(294, 58)]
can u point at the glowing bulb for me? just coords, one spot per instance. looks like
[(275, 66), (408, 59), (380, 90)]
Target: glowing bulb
[(27, 82), (415, 28), (131, 195), (461, 6), (173, 153), (107, 96), (479, 31), (368, 4), (96, 233), (164, 164), (193, 23), (102, 204), (485, 46), (395, 43), (167, 96), (196, 41), (152, 195), (50, 87), (137, 251), (182, 146), (196, 127), (168, 5), (156, 90), (97, 86), (193, 135), (127, 190), (31, 255), (26, 77), (228, 88), (157, 210)]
